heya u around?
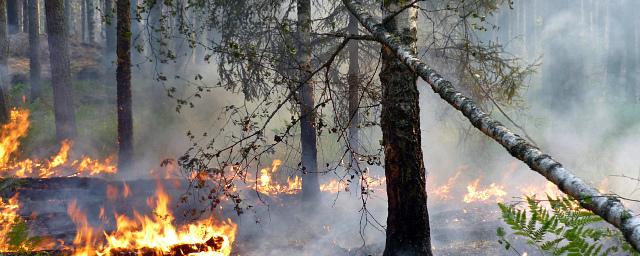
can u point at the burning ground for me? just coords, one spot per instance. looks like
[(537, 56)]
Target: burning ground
[(74, 206)]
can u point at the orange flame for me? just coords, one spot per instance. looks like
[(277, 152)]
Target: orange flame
[(474, 194), (265, 183), (17, 129), (158, 233), (8, 217)]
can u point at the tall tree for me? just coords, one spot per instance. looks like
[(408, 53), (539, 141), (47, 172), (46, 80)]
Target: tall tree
[(60, 70), (408, 219), (4, 58), (68, 12), (123, 77), (13, 19), (110, 30), (25, 16), (91, 24), (34, 48), (308, 134), (353, 80)]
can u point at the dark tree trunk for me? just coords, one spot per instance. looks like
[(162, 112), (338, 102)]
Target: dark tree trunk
[(25, 16), (308, 136), (83, 20), (408, 219), (110, 31), (4, 58), (135, 31), (91, 24), (353, 80), (34, 48), (12, 16), (60, 70), (123, 77)]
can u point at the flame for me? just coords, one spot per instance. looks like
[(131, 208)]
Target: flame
[(158, 234), (473, 194), (443, 191), (549, 189), (265, 184), (85, 234), (8, 217), (57, 165), (334, 186)]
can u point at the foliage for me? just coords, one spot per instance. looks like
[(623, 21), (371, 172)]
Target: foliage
[(564, 229), (19, 239)]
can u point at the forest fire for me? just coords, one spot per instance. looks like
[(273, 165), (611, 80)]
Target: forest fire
[(265, 184), (153, 235), (475, 194), (8, 217), (57, 166)]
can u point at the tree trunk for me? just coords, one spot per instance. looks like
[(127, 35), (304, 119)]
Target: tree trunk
[(4, 58), (83, 20), (12, 16), (60, 70), (408, 220), (110, 31), (353, 81), (25, 16), (308, 136), (91, 24), (34, 48), (123, 77), (68, 12), (608, 207)]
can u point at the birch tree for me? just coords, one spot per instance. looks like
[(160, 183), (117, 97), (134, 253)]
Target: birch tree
[(608, 207)]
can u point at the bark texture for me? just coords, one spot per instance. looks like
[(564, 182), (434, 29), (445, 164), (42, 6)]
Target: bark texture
[(25, 16), (34, 48), (408, 231), (123, 78), (60, 70), (608, 207), (308, 135), (4, 58), (68, 12)]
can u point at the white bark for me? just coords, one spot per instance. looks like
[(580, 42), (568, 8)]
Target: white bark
[(608, 207)]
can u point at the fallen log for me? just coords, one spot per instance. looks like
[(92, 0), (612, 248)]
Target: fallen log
[(214, 243)]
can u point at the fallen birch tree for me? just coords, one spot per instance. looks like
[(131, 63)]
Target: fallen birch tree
[(606, 206)]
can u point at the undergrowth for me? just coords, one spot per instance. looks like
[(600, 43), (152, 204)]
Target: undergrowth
[(559, 226)]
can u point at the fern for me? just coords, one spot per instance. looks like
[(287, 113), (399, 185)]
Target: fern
[(563, 229), (19, 239)]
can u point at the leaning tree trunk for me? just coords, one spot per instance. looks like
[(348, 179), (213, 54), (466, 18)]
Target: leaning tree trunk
[(60, 70), (91, 24), (308, 136), (407, 220), (34, 48), (4, 58), (353, 80), (123, 77), (608, 207)]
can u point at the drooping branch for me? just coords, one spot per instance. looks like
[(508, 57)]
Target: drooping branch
[(608, 207)]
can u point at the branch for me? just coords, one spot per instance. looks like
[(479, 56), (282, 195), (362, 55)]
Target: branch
[(608, 207)]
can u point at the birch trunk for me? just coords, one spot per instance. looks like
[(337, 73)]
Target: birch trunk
[(353, 80), (608, 207)]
